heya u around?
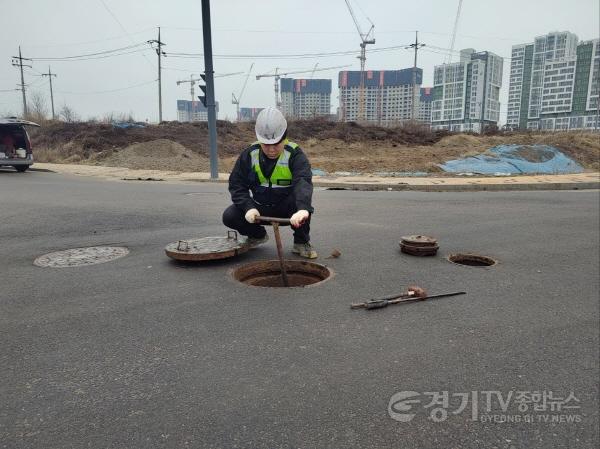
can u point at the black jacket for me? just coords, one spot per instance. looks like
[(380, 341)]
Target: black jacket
[(243, 179)]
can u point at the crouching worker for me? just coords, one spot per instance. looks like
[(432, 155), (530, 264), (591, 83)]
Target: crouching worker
[(278, 175)]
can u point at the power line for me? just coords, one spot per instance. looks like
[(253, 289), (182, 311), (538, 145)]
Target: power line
[(37, 73), (285, 56), (36, 83), (91, 55), (122, 27), (75, 44), (140, 51), (137, 48)]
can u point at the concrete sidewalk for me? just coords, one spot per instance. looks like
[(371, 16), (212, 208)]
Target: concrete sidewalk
[(590, 180)]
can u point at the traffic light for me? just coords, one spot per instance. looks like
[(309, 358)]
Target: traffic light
[(202, 87)]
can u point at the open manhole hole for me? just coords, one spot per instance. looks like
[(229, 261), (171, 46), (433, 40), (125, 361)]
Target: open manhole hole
[(471, 260), (268, 273), (79, 257)]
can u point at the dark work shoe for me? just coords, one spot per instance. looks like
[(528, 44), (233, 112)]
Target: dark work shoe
[(253, 242), (304, 250)]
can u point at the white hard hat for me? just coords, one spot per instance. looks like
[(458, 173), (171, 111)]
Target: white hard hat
[(270, 125)]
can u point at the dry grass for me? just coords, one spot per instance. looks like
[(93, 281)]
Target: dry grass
[(330, 146)]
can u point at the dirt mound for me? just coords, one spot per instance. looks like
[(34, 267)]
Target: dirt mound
[(231, 137), (321, 129), (456, 140), (160, 154), (97, 137)]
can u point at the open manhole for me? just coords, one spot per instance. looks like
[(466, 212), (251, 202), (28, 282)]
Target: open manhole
[(471, 260), (79, 257), (268, 273)]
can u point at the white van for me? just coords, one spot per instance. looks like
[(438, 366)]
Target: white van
[(15, 146)]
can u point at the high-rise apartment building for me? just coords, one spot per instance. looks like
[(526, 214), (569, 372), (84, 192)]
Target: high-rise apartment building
[(466, 94), (388, 95), (554, 83), (305, 98), (249, 114), (426, 97), (193, 111)]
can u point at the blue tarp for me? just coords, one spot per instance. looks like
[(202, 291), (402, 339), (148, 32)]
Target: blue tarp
[(126, 125), (515, 159)]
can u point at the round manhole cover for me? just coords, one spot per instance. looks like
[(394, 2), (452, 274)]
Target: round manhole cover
[(79, 257), (207, 248)]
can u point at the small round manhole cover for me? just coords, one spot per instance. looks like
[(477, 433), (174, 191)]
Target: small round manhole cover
[(79, 257), (268, 273), (471, 260), (419, 245)]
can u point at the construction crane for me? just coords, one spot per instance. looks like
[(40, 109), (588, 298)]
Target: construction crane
[(193, 81), (313, 72), (449, 57), (236, 100), (366, 38), (278, 75), (277, 78)]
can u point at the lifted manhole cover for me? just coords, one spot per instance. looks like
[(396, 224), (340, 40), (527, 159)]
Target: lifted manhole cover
[(268, 274), (207, 248), (471, 260), (79, 257)]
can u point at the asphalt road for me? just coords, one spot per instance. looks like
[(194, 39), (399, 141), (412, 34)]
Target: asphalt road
[(142, 352)]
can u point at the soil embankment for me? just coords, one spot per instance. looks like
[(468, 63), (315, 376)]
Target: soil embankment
[(330, 146)]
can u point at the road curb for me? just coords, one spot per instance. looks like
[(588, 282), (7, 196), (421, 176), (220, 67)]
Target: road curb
[(461, 187), (588, 181)]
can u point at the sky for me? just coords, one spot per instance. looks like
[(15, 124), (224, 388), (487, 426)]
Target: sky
[(262, 32)]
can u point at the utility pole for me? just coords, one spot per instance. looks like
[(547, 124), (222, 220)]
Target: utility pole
[(50, 75), (159, 52), (210, 90), (417, 45), (20, 64)]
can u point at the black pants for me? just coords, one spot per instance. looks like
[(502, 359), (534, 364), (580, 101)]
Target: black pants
[(234, 218)]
